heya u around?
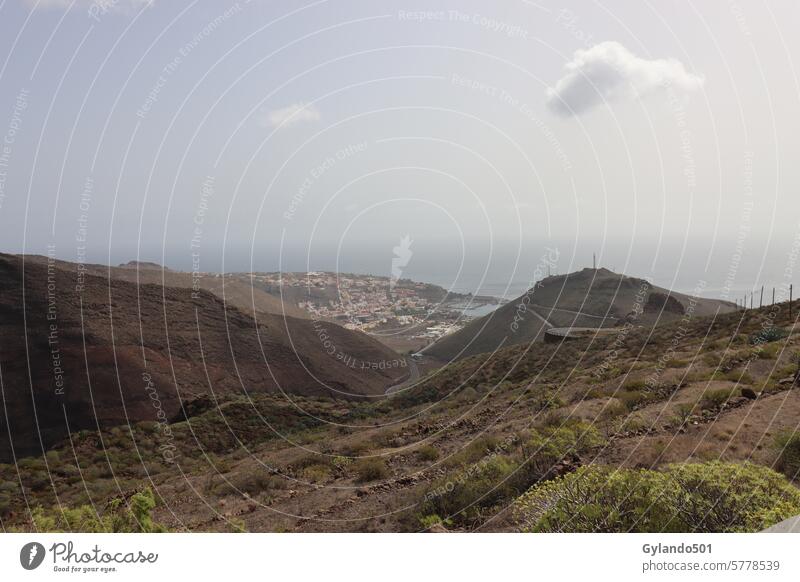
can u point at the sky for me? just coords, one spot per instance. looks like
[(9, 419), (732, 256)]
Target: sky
[(267, 135)]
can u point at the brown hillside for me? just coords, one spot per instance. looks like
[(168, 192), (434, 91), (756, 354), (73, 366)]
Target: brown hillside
[(464, 443), (587, 298), (234, 291), (84, 357)]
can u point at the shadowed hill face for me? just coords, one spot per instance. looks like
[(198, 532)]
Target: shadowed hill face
[(587, 298), (236, 293), (111, 352)]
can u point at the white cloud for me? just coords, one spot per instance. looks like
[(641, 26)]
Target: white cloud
[(294, 113), (608, 72)]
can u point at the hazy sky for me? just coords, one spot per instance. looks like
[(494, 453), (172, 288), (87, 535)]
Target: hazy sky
[(662, 135)]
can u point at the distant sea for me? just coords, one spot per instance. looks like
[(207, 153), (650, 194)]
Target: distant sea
[(728, 274), (509, 290), (503, 290)]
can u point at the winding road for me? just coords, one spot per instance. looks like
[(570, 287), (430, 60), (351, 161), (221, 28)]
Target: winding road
[(413, 376)]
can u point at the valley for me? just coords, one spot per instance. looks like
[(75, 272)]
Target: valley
[(261, 431)]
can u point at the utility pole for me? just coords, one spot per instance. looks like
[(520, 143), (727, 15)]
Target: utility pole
[(594, 261), (773, 295), (790, 302), (761, 301), (751, 300)]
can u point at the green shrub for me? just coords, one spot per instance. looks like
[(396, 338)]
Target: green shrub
[(699, 497), (463, 497), (713, 399), (677, 363), (309, 461), (119, 517), (552, 418), (251, 483), (730, 497), (733, 376), (699, 376), (539, 400), (613, 410), (316, 473), (370, 469), (607, 373), (787, 444), (475, 451), (634, 385), (38, 480), (355, 449), (550, 445), (505, 471), (632, 423), (595, 499), (428, 453), (341, 463), (632, 399), (683, 412), (767, 352), (766, 335), (428, 521)]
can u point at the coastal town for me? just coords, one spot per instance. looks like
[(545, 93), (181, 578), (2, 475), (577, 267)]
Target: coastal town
[(405, 314)]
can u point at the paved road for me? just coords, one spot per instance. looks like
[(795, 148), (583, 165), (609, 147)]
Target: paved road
[(413, 376), (547, 323), (576, 332), (571, 311), (791, 525)]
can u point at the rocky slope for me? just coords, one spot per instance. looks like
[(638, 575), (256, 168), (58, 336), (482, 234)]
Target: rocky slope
[(82, 351)]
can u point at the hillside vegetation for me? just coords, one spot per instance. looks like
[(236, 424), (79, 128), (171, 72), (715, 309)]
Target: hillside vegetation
[(496, 442)]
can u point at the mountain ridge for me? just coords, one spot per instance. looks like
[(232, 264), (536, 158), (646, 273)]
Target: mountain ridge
[(591, 298), (82, 356)]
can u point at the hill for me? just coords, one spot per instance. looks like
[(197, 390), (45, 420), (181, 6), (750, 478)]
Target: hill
[(234, 291), (80, 351), (481, 445), (591, 298)]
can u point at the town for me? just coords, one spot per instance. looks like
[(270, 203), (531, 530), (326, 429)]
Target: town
[(405, 314)]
